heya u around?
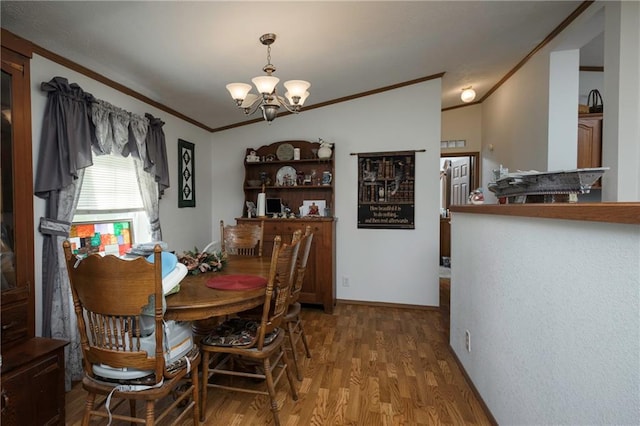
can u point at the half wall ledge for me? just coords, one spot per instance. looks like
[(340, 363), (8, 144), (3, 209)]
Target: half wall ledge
[(628, 213)]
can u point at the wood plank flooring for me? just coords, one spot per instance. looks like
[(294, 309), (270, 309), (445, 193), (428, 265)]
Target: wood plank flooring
[(370, 365)]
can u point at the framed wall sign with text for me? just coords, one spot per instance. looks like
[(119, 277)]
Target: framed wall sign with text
[(186, 174), (386, 185)]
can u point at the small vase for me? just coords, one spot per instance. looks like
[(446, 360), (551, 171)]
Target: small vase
[(326, 178), (324, 153)]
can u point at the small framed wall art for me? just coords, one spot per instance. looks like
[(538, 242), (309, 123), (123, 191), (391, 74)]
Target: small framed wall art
[(186, 174), (313, 208)]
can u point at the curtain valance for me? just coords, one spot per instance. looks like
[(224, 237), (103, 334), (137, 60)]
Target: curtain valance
[(75, 124)]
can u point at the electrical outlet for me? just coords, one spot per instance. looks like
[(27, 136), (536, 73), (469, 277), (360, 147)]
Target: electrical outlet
[(467, 340), (345, 281)]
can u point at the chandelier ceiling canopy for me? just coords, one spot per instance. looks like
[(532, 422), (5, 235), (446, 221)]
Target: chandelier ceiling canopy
[(268, 100)]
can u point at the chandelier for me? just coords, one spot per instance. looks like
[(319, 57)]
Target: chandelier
[(268, 99)]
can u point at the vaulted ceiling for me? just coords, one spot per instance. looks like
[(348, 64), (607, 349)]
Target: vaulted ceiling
[(182, 54)]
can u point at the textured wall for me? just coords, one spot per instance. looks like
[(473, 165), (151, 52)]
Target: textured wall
[(552, 307)]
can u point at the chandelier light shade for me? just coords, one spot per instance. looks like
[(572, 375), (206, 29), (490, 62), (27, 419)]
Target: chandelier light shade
[(468, 94), (268, 100), (238, 91)]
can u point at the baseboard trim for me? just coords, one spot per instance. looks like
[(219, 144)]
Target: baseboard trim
[(387, 305), (473, 388)]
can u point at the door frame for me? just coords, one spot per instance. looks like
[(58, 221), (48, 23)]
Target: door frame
[(474, 158)]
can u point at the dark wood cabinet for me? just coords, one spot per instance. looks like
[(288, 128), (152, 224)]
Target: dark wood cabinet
[(294, 181), (590, 142), (32, 375), (33, 383), (445, 238)]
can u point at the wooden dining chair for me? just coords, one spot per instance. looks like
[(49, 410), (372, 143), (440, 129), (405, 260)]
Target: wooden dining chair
[(292, 321), (120, 362), (295, 330), (254, 341), (243, 239)]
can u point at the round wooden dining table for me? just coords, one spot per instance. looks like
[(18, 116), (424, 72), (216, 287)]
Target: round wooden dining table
[(197, 302)]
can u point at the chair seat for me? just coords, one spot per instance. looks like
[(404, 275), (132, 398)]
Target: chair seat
[(237, 332), (168, 386), (179, 367), (184, 394)]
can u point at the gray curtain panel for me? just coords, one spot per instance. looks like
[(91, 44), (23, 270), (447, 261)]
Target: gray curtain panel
[(65, 148), (63, 319), (156, 153)]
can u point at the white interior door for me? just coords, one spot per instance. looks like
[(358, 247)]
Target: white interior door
[(460, 180)]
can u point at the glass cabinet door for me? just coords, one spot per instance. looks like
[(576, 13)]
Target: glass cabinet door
[(16, 200), (6, 163)]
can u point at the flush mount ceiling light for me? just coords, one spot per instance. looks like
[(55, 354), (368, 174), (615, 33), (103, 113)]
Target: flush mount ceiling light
[(268, 100), (468, 94)]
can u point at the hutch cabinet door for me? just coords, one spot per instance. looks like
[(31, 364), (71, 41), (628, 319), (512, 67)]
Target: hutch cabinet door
[(16, 201), (590, 142)]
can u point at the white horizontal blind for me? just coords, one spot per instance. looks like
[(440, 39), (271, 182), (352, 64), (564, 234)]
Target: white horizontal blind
[(110, 185)]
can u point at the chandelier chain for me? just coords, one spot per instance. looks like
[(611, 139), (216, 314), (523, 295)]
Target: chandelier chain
[(269, 55)]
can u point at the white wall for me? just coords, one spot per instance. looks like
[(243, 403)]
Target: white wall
[(394, 266), (463, 124), (552, 307), (515, 122), (562, 148), (621, 126), (181, 228), (590, 80)]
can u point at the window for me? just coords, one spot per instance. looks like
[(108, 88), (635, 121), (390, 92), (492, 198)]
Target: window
[(110, 203)]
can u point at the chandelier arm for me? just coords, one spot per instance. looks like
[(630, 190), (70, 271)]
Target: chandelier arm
[(294, 109), (255, 105)]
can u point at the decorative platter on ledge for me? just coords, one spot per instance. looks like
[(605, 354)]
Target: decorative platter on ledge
[(519, 186), (286, 176), (285, 152)]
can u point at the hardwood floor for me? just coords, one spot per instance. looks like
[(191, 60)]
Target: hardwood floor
[(370, 365)]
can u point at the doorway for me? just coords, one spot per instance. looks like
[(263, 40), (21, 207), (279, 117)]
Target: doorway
[(459, 175)]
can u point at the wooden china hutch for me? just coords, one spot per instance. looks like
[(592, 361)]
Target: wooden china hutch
[(291, 175), (32, 367)]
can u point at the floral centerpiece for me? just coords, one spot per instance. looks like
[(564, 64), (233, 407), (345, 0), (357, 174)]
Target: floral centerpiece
[(197, 262)]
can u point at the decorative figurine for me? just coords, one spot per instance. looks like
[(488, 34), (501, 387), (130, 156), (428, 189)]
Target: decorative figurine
[(477, 196), (252, 157)]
